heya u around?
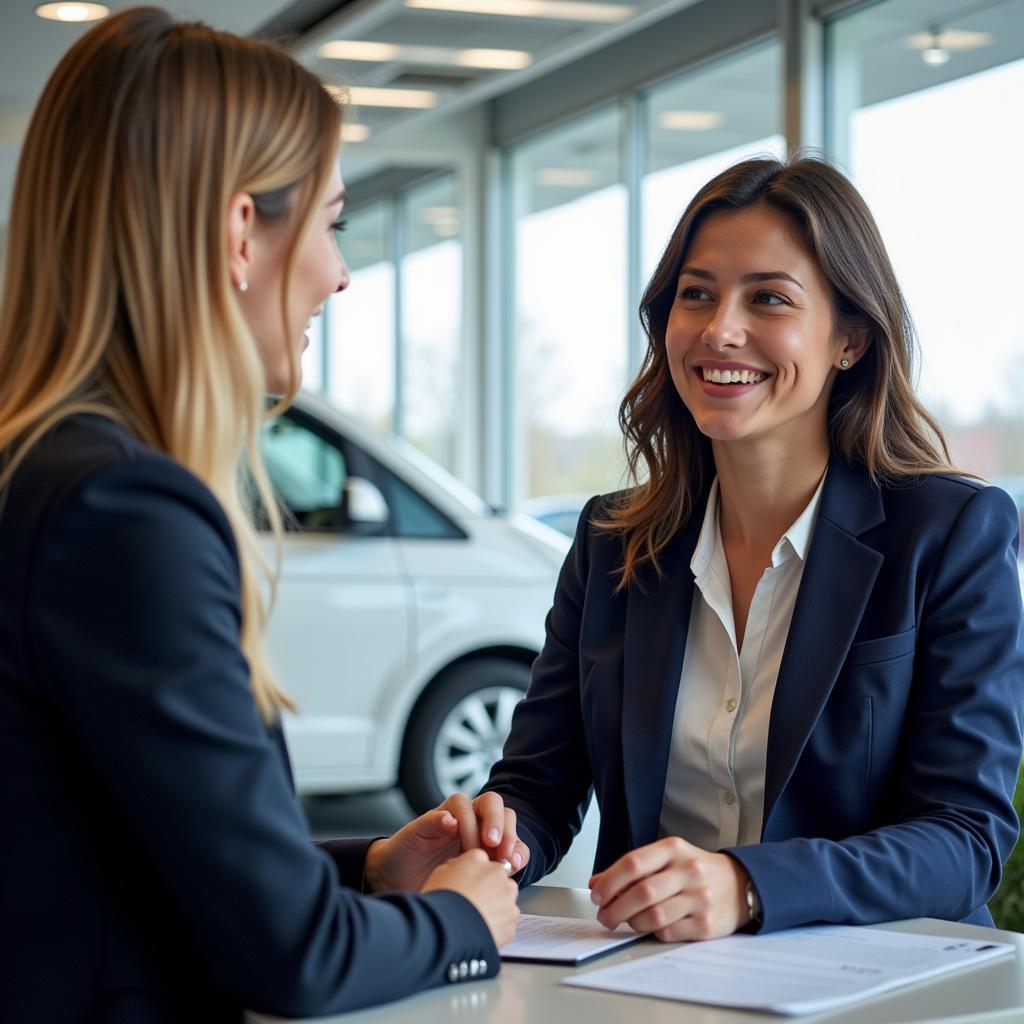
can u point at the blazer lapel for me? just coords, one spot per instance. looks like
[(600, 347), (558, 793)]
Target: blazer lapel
[(657, 620), (834, 591)]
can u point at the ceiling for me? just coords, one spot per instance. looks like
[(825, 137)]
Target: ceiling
[(439, 68)]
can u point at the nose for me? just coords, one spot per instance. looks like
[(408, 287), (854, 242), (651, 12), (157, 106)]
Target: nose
[(725, 329), (344, 277)]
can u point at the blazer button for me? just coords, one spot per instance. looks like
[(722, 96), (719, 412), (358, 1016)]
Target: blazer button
[(474, 968), (463, 970), (483, 966), (453, 972)]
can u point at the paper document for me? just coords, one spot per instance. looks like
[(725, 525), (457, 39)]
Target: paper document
[(803, 970), (564, 940)]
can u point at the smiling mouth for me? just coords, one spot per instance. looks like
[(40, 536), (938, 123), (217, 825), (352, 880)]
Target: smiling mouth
[(730, 377)]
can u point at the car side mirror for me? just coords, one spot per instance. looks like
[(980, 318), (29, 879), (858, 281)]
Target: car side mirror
[(363, 504)]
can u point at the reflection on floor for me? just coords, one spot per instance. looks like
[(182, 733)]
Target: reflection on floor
[(378, 814)]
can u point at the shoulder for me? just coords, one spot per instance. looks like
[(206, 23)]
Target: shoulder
[(91, 472), (941, 501)]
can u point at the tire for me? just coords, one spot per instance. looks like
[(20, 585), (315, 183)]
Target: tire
[(457, 730)]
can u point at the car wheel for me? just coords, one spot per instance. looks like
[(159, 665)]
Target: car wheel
[(457, 730)]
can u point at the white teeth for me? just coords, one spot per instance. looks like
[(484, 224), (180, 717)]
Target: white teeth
[(732, 376)]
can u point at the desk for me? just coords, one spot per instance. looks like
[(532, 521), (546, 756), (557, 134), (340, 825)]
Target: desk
[(530, 993)]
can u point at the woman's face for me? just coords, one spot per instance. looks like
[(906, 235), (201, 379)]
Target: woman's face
[(318, 271), (749, 333)]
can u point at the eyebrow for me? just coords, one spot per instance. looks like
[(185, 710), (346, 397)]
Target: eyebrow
[(762, 275), (339, 198)]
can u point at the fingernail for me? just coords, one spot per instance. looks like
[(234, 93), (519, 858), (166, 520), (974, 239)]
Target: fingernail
[(494, 835), (517, 860), (595, 897)]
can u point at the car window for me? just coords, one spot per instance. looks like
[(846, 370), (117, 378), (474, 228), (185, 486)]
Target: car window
[(308, 473)]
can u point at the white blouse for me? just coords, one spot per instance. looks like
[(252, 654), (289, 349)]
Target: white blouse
[(714, 789)]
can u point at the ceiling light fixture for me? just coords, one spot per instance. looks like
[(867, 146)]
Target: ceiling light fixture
[(369, 96), (355, 132), (561, 10), (935, 53), (937, 47), (566, 177), (691, 120), (72, 12), (497, 60)]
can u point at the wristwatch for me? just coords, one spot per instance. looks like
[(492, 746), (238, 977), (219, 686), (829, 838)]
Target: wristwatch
[(753, 903)]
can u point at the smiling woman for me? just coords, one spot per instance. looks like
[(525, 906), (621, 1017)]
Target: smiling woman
[(788, 659)]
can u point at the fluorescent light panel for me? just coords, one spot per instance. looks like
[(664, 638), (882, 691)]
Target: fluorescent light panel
[(691, 120), (366, 96), (355, 132), (566, 177), (561, 10), (949, 39), (72, 12), (498, 60)]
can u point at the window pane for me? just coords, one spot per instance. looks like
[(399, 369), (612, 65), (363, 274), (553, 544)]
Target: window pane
[(925, 114), (431, 318), (307, 472), (361, 322), (701, 123), (570, 308)]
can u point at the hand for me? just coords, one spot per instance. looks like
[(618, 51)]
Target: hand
[(487, 824), (674, 889), (486, 885), (406, 859)]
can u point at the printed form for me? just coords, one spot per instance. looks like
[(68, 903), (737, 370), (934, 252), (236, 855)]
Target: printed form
[(803, 970), (564, 940)]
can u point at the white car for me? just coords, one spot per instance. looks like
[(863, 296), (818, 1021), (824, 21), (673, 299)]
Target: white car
[(407, 615)]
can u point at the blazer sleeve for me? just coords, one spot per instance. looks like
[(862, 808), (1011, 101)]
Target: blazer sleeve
[(953, 824), (134, 621), (544, 774)]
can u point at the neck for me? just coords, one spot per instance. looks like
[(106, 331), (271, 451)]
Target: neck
[(764, 485)]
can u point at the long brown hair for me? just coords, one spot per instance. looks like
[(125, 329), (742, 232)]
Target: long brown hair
[(875, 420), (117, 297)]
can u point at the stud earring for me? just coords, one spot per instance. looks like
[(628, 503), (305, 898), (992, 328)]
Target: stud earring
[(844, 363), (244, 286)]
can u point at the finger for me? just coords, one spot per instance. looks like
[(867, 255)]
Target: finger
[(663, 918), (631, 867), (439, 823), (458, 804), (509, 839), (642, 895), (520, 857), (490, 812)]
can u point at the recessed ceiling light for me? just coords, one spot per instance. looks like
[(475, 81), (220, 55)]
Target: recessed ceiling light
[(691, 120), (562, 10), (367, 96), (355, 132), (502, 60), (72, 12), (566, 177)]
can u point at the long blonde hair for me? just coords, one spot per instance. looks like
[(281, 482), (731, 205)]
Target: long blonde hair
[(875, 420), (117, 297)]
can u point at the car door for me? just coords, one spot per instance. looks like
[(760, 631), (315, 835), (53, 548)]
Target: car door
[(339, 628)]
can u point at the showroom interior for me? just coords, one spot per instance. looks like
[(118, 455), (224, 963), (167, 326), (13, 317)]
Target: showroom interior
[(514, 169)]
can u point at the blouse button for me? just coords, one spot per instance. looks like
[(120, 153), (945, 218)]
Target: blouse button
[(730, 798), (730, 705)]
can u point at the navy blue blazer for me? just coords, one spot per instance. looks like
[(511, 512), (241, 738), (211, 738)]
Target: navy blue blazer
[(155, 864), (895, 732)]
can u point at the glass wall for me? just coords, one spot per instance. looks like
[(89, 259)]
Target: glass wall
[(431, 328), (700, 123), (569, 307), (360, 322), (925, 109)]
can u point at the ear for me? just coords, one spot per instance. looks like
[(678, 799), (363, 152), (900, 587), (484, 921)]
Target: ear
[(241, 217), (852, 347)]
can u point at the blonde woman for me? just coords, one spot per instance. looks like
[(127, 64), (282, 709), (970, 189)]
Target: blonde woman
[(172, 231), (788, 661)]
